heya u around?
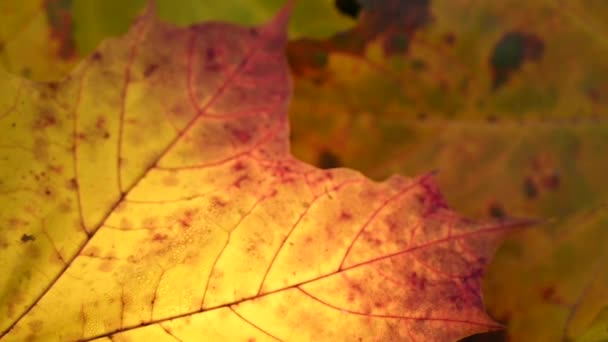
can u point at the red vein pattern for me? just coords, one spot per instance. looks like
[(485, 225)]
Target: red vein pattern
[(194, 207)]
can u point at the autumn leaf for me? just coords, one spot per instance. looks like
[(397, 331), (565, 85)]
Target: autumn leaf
[(152, 195)]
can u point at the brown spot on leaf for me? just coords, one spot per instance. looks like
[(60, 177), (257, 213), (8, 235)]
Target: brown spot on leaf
[(72, 184), (27, 238), (308, 58), (101, 122), (496, 210), (187, 218), (549, 294), (218, 202), (417, 281), (212, 60), (530, 188), (45, 120), (92, 251), (238, 166), (449, 38), (242, 136), (150, 69), (107, 265), (35, 325), (551, 181), (328, 160), (510, 52), (59, 17), (159, 237), (345, 216)]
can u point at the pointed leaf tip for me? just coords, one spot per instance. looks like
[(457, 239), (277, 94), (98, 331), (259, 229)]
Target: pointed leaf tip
[(145, 15), (149, 10), (277, 26)]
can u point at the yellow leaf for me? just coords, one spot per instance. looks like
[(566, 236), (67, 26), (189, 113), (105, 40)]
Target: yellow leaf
[(152, 196)]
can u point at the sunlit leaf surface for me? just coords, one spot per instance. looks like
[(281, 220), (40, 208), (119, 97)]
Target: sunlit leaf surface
[(152, 196)]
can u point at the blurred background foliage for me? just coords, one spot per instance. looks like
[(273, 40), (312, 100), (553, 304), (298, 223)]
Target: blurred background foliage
[(507, 99)]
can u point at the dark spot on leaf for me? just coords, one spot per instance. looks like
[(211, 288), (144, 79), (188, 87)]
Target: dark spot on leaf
[(307, 58), (101, 122), (594, 94), (59, 17), (45, 120), (350, 8), (551, 181), (510, 53), (418, 65), (344, 216), (496, 210), (449, 38), (350, 42), (241, 136), (238, 166), (211, 54), (417, 281), (159, 237), (73, 184), (549, 294), (97, 56), (26, 238), (530, 188), (422, 116), (432, 198), (396, 44), (212, 62), (328, 160), (150, 69)]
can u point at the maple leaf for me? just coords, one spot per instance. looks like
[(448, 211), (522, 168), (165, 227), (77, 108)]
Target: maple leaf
[(152, 195)]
